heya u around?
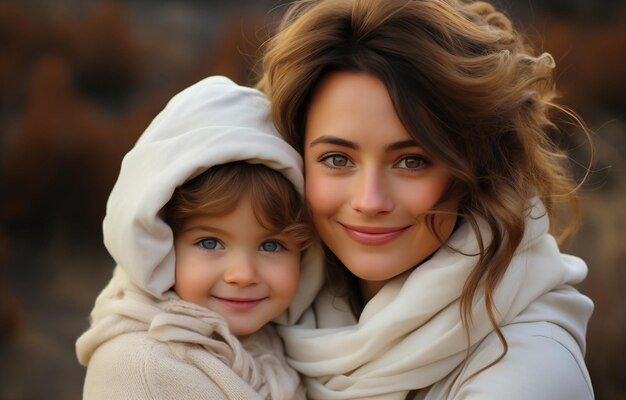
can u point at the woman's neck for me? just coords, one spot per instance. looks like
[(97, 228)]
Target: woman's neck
[(370, 288)]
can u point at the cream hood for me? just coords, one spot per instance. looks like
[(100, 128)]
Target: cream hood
[(214, 121)]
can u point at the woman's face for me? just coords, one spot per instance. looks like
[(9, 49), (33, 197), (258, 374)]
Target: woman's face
[(369, 184)]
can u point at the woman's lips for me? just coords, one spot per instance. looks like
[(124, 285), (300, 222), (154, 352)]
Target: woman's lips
[(373, 235), (239, 304)]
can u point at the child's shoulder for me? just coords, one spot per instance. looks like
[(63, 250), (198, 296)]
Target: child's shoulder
[(137, 366), (133, 350)]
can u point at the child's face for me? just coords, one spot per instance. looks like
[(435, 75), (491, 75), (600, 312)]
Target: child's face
[(230, 264)]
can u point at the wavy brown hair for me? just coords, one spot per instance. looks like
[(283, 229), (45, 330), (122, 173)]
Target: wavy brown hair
[(465, 85)]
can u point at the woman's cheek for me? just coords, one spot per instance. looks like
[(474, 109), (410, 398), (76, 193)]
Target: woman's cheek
[(318, 193), (421, 197)]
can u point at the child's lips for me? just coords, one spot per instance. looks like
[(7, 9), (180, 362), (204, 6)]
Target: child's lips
[(239, 304)]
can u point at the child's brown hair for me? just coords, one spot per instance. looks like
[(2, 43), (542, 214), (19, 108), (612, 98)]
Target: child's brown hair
[(276, 204)]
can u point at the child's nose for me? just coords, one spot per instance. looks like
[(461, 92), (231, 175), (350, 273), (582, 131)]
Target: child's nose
[(242, 271)]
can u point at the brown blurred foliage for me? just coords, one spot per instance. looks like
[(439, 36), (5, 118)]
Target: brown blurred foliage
[(591, 60), (75, 98), (78, 84), (591, 77)]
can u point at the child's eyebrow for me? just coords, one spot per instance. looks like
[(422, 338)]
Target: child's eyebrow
[(204, 228)]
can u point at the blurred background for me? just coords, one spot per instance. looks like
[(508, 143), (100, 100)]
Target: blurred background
[(81, 79)]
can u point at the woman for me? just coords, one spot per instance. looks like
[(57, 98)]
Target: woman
[(431, 176)]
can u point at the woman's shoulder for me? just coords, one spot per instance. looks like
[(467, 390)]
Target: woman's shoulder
[(136, 366), (543, 361)]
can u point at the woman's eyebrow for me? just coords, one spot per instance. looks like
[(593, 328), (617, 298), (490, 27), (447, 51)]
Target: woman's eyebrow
[(401, 145), (334, 140), (326, 139)]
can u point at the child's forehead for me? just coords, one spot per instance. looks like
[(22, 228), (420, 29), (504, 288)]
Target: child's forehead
[(241, 219)]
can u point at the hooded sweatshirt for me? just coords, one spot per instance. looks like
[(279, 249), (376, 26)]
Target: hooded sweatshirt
[(145, 342)]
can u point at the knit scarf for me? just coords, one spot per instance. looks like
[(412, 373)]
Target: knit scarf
[(253, 368), (410, 335)]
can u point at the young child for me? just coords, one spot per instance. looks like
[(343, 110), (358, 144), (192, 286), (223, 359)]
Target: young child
[(206, 225)]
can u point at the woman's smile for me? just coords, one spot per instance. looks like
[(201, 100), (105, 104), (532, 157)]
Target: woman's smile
[(372, 235)]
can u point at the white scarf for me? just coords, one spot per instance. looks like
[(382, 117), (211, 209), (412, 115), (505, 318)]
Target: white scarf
[(254, 368), (410, 335)]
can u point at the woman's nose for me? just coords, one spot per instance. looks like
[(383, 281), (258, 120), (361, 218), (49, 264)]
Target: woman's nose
[(242, 271), (372, 196)]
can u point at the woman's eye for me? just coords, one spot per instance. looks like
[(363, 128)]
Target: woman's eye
[(210, 244), (336, 161), (412, 163), (271, 246)]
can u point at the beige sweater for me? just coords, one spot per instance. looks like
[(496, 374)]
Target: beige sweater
[(140, 347)]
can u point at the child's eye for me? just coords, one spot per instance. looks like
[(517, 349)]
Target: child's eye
[(210, 244), (412, 163), (335, 160), (271, 246)]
